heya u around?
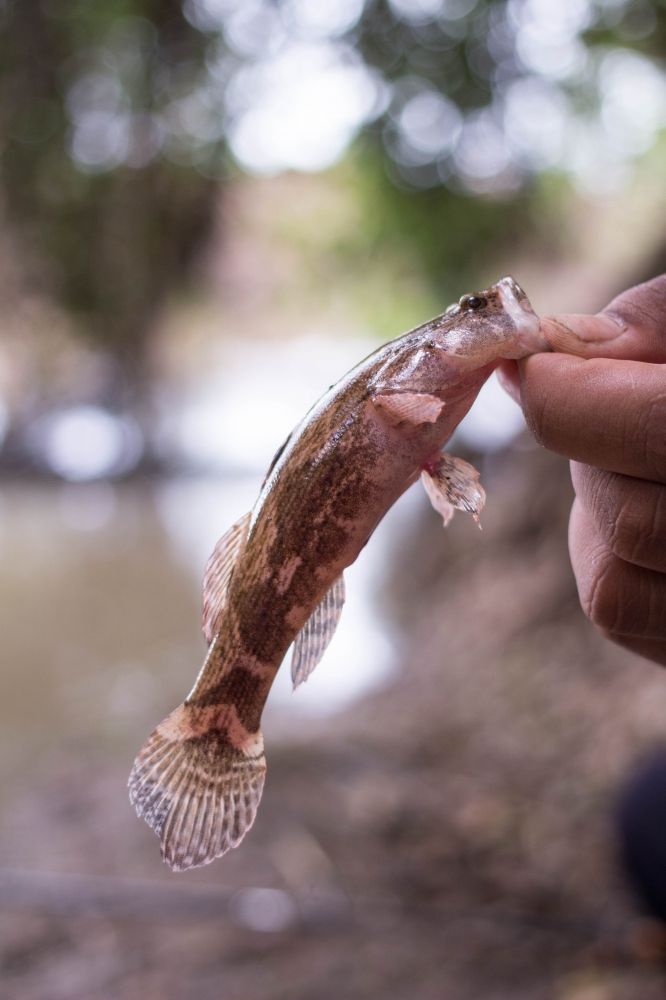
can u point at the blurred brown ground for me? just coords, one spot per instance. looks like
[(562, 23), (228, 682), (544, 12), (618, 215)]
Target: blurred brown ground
[(448, 837)]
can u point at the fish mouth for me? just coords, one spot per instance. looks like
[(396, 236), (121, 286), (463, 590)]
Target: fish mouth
[(519, 309)]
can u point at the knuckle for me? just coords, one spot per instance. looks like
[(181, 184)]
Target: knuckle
[(629, 514), (651, 436), (609, 499), (623, 601), (642, 305), (600, 594), (638, 533), (601, 493), (628, 526)]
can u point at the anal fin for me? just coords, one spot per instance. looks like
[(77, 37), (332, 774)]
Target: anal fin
[(313, 639), (218, 573), (453, 484)]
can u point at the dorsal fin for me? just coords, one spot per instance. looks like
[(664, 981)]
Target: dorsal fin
[(218, 573), (276, 457), (311, 642)]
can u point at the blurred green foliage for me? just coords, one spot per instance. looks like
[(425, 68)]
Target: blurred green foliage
[(115, 133), (106, 240), (452, 236)]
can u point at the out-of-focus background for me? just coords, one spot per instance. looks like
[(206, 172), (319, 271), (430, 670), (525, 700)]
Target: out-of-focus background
[(211, 210)]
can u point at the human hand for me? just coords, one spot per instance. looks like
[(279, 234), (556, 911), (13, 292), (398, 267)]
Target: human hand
[(603, 405)]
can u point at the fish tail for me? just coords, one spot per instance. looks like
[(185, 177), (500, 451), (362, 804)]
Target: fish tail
[(197, 784)]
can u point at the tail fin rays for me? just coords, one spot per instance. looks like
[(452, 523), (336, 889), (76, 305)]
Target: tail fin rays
[(199, 795)]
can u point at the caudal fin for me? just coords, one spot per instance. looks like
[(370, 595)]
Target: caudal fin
[(199, 793)]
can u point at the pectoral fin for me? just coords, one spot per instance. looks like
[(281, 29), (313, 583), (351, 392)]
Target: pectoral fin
[(408, 407), (313, 639), (452, 483), (218, 573)]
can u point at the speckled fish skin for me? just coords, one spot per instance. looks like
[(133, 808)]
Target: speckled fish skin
[(359, 448)]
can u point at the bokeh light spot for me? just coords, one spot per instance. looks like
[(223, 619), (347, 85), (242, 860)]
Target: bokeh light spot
[(87, 442)]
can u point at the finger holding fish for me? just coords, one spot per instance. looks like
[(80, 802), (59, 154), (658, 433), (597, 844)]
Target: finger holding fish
[(604, 407), (604, 412)]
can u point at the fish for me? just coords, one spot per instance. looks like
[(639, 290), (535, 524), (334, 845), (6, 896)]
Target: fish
[(276, 577)]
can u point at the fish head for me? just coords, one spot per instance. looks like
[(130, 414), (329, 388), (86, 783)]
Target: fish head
[(497, 322)]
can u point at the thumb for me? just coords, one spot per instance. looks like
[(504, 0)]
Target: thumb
[(632, 327)]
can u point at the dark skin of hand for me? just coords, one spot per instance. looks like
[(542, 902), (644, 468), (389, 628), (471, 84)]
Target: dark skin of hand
[(605, 409)]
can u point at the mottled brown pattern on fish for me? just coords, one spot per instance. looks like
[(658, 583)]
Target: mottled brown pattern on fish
[(241, 688), (192, 721), (276, 574), (316, 507), (327, 488)]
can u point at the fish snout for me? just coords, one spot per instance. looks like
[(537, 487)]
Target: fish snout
[(527, 337)]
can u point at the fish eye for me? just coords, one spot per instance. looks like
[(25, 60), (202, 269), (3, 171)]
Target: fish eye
[(473, 302)]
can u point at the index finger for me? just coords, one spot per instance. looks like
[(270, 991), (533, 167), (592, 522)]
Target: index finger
[(602, 412)]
